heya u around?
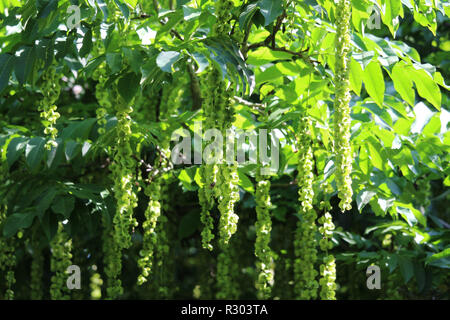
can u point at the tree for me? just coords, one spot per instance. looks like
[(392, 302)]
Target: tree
[(342, 122)]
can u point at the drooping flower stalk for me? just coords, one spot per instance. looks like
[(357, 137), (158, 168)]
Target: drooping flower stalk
[(342, 121), (263, 232), (61, 259), (305, 243)]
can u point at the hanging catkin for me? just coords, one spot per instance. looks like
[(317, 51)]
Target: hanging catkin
[(60, 260), (152, 213), (328, 267), (263, 232), (50, 89), (305, 242), (7, 260), (37, 268), (342, 98)]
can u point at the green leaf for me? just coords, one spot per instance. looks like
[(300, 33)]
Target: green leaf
[(264, 55), (191, 13), (403, 83), (114, 61), (363, 198), (427, 88), (86, 48), (15, 149), (406, 268), (72, 150), (355, 76), (123, 8), (245, 182), (270, 9), (410, 214), (374, 153), (128, 86), (64, 205), (374, 82), (246, 16), (17, 221), (189, 223), (6, 67), (55, 154), (166, 59), (439, 255), (34, 152), (25, 64)]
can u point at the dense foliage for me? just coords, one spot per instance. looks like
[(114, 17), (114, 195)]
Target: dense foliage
[(93, 92)]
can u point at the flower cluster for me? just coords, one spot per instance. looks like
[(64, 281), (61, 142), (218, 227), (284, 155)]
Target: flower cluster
[(112, 261), (328, 268), (123, 168), (48, 110), (219, 180), (227, 191), (226, 284), (7, 260), (263, 231), (37, 269), (152, 213), (342, 98), (305, 242), (61, 256)]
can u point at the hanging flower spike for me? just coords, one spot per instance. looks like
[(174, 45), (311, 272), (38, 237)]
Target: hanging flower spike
[(328, 268), (305, 243), (342, 119), (61, 256), (263, 231), (50, 89)]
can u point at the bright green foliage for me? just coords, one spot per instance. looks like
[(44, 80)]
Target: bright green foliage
[(132, 73), (342, 98), (61, 256)]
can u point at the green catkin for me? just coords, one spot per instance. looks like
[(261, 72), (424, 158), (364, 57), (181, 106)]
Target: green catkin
[(226, 284), (164, 262), (342, 119), (305, 243), (122, 172), (112, 261), (7, 260), (37, 270), (60, 248), (152, 213), (102, 96), (328, 268), (161, 256), (50, 89), (123, 169), (101, 91), (218, 180), (263, 232), (95, 285), (206, 204), (228, 191)]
